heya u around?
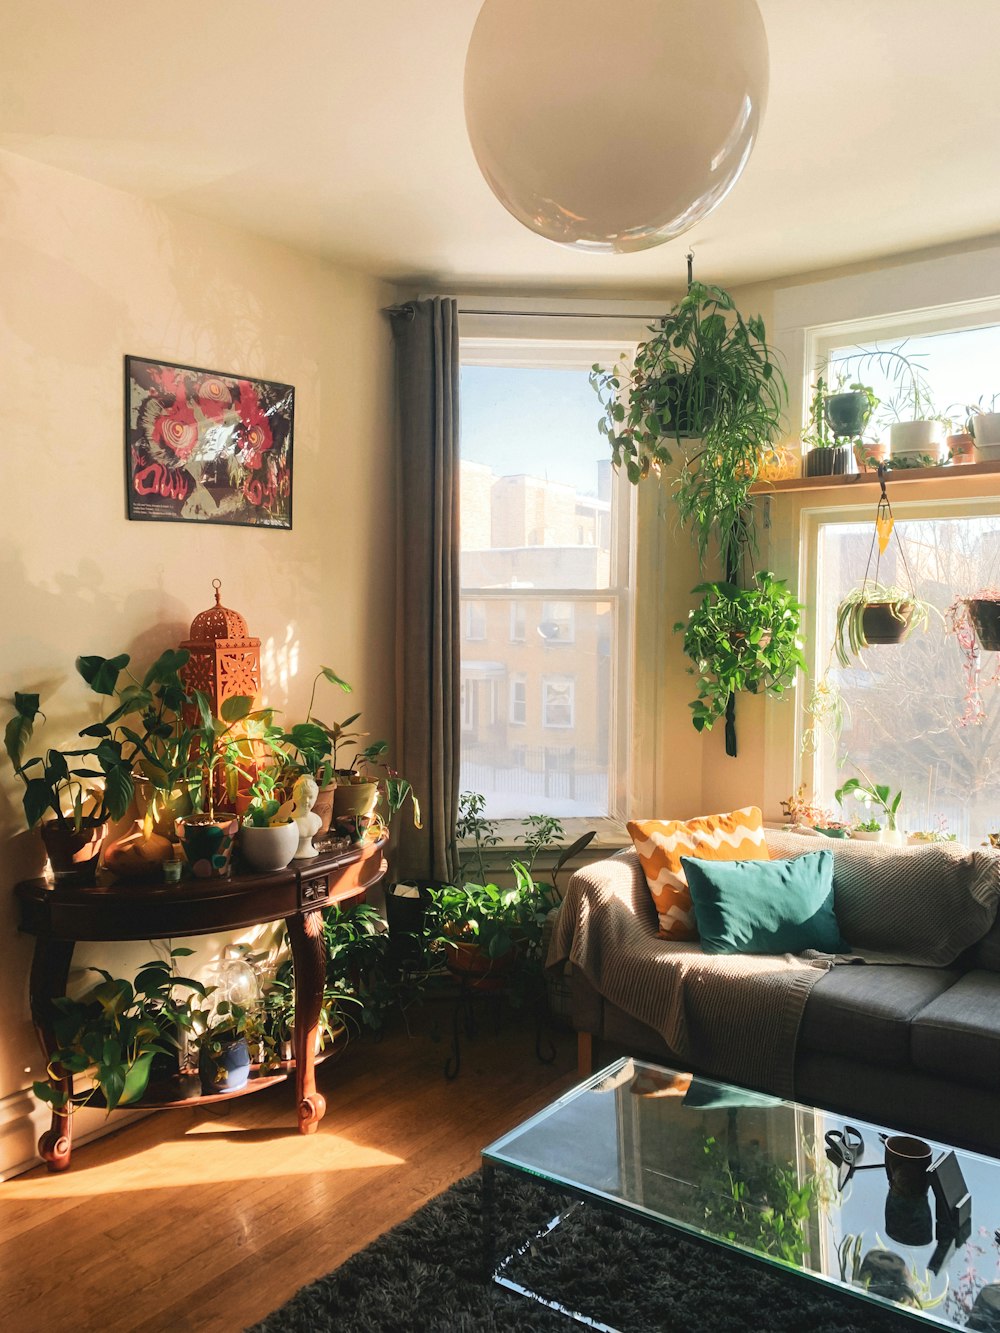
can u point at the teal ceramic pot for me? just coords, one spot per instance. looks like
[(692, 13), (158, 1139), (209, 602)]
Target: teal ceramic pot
[(832, 832), (847, 413), (224, 1066), (208, 845)]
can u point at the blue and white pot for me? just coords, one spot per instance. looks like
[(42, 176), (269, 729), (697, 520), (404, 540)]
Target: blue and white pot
[(224, 1066)]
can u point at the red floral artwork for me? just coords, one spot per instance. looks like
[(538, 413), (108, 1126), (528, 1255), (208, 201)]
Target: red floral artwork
[(203, 446)]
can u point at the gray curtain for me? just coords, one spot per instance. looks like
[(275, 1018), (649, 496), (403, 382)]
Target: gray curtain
[(427, 622)]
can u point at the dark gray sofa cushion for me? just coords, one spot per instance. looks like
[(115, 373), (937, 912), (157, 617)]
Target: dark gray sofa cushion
[(958, 1034), (986, 954), (864, 1011)]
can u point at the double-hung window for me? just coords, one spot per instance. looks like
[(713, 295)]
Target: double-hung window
[(545, 556)]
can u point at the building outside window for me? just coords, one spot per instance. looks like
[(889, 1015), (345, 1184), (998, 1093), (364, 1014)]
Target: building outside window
[(475, 620), (545, 535)]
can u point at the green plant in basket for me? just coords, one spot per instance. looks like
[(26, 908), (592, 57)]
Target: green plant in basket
[(741, 639)]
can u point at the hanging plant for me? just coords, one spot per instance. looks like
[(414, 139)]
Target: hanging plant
[(706, 374), (877, 614), (975, 623), (741, 639)]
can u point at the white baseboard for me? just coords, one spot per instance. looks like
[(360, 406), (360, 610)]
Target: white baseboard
[(23, 1120)]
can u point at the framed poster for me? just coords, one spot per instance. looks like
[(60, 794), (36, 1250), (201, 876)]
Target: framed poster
[(202, 446)]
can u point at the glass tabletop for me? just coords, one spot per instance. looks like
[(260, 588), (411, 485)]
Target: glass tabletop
[(790, 1184)]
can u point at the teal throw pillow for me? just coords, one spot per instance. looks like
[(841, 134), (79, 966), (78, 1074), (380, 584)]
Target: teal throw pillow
[(765, 906)]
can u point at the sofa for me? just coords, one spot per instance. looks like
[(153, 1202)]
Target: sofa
[(908, 1038)]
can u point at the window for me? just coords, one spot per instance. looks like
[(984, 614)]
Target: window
[(475, 620), (903, 707), (545, 538), (557, 622), (558, 694), (518, 701)]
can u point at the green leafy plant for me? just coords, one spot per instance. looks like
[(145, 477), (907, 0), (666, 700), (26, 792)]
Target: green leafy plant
[(269, 803), (706, 373), (872, 794), (223, 743), (869, 826), (92, 783), (850, 638), (761, 1204), (741, 639), (394, 791), (114, 1031)]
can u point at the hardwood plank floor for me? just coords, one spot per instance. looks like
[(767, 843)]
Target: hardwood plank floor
[(209, 1219)]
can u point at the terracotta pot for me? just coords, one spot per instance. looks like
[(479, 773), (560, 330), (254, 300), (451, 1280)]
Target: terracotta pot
[(324, 808), (73, 855), (868, 456), (985, 616), (138, 855), (880, 626), (208, 844), (962, 448), (352, 800), (476, 968)]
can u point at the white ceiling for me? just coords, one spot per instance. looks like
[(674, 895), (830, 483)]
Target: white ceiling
[(337, 126)]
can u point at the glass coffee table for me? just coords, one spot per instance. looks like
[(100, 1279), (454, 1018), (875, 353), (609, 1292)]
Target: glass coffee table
[(790, 1185)]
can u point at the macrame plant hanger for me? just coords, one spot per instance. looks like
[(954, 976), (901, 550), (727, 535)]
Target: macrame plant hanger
[(885, 530)]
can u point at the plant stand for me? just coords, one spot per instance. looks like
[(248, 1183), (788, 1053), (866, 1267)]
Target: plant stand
[(62, 915), (493, 991)]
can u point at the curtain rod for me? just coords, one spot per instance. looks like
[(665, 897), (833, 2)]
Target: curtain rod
[(406, 311)]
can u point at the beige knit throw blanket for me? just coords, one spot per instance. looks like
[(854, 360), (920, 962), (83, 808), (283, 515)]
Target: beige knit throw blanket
[(735, 1016)]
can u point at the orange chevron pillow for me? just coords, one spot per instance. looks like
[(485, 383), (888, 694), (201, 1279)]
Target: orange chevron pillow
[(660, 844)]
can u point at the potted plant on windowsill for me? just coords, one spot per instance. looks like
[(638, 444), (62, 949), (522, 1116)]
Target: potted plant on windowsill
[(975, 623), (741, 639), (824, 454), (877, 614), (874, 795), (704, 374), (984, 425)]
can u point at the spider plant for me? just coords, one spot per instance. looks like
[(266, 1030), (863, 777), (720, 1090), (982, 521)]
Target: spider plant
[(877, 613)]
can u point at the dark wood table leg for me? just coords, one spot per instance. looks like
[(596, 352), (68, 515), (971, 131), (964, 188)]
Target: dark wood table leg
[(49, 973), (309, 959)]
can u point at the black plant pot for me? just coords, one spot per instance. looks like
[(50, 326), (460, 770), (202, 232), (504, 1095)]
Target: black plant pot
[(405, 919), (847, 413), (985, 616), (880, 626), (828, 462), (689, 405)]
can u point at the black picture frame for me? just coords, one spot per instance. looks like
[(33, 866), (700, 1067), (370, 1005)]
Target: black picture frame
[(207, 446)]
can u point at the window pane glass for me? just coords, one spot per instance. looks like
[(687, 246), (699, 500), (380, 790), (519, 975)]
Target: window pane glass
[(959, 367), (536, 715), (536, 480), (903, 706)]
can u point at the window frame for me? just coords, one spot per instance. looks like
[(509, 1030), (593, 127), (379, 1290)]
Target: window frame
[(560, 681), (519, 352)]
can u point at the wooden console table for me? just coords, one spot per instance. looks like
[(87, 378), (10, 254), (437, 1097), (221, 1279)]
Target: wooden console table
[(59, 916)]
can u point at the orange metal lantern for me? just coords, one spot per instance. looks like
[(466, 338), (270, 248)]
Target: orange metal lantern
[(224, 660)]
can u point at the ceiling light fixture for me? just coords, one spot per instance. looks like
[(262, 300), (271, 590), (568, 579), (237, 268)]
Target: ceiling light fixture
[(613, 128)]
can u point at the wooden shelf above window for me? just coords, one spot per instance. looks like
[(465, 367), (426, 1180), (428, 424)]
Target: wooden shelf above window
[(945, 477)]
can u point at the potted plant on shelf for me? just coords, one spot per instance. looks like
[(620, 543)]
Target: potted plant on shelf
[(823, 453), (223, 1052), (314, 743), (984, 425), (269, 837), (705, 374), (82, 788), (848, 409), (116, 1030), (221, 752), (877, 614), (741, 639), (874, 795)]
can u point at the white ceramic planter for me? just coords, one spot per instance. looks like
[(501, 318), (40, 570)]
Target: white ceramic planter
[(888, 837), (858, 836), (269, 848), (915, 437), (987, 432)]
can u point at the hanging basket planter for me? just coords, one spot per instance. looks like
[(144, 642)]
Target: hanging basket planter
[(984, 612), (886, 622)]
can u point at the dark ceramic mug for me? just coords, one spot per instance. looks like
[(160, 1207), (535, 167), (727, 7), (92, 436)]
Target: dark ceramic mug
[(906, 1163)]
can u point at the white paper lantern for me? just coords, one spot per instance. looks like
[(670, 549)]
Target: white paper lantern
[(614, 126)]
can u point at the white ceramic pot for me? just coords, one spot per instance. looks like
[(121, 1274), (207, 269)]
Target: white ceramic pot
[(269, 848), (915, 437), (987, 432), (860, 836)]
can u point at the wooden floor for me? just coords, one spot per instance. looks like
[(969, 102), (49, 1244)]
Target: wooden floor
[(199, 1220)]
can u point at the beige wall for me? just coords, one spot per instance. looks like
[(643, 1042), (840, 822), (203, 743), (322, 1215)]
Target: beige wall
[(88, 274)]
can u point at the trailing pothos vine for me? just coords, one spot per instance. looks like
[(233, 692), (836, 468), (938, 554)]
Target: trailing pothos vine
[(706, 387)]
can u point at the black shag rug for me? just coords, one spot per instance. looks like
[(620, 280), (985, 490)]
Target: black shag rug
[(425, 1275)]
